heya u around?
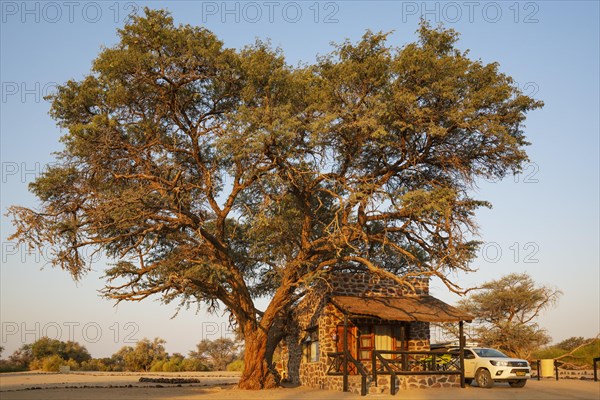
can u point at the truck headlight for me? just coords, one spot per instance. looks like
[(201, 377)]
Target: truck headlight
[(499, 363)]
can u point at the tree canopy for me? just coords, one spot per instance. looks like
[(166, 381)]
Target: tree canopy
[(143, 355), (216, 353), (45, 346), (506, 310), (217, 175)]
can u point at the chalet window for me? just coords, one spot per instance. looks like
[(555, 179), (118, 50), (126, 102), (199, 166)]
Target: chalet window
[(314, 351), (384, 339), (366, 342), (365, 346), (310, 345), (381, 337)]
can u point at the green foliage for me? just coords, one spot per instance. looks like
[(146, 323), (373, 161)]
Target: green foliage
[(580, 358), (118, 359), (21, 357), (237, 365), (174, 363), (192, 364), (45, 347), (216, 353), (51, 363), (551, 352), (18, 361), (49, 354), (143, 355), (45, 354), (157, 366), (6, 366), (95, 364), (73, 364), (571, 343), (505, 311)]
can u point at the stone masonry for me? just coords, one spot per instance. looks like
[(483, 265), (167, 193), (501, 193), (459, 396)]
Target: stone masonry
[(316, 312)]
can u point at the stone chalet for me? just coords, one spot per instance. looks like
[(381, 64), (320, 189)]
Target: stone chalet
[(360, 333)]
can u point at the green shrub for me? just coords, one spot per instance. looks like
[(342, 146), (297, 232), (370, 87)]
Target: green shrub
[(237, 365), (193, 364), (35, 364), (173, 365), (74, 365), (157, 366), (548, 352), (93, 365), (52, 363), (7, 366), (583, 357)]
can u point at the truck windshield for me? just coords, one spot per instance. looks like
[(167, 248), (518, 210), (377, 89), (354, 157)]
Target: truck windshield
[(489, 353)]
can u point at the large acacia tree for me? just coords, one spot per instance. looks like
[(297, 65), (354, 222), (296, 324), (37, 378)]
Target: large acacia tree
[(217, 175)]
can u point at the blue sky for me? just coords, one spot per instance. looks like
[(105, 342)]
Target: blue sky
[(544, 221)]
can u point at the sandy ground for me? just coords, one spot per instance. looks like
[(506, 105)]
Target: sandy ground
[(221, 386), (21, 380)]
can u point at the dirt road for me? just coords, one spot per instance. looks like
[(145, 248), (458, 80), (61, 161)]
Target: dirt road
[(221, 387)]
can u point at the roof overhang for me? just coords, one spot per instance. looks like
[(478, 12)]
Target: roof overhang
[(418, 308)]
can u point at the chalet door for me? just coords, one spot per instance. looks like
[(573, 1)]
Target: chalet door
[(352, 345)]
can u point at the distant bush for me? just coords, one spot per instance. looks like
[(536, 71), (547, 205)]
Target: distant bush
[(52, 363), (74, 365), (157, 366), (46, 347), (581, 358), (192, 364), (216, 353), (7, 366), (571, 343), (93, 365), (173, 365), (237, 365)]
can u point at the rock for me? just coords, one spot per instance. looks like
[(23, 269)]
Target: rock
[(172, 381)]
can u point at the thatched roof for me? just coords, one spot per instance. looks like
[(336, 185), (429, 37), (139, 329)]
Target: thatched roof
[(418, 308)]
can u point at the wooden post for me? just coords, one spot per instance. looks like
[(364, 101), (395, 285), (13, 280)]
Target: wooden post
[(345, 377), (538, 370), (596, 368), (461, 353), (374, 366), (556, 369), (363, 385)]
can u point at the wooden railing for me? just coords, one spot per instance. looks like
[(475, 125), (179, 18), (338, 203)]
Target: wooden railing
[(335, 366), (335, 363), (393, 363), (413, 363)]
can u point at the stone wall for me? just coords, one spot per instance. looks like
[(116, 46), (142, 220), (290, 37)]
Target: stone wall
[(418, 337), (367, 285), (404, 382), (315, 311), (314, 374)]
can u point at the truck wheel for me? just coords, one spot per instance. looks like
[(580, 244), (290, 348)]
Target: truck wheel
[(484, 379), (518, 384)]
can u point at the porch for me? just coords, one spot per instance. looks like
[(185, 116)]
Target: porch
[(375, 343)]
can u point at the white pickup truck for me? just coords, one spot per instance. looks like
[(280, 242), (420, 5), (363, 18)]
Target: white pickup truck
[(487, 366)]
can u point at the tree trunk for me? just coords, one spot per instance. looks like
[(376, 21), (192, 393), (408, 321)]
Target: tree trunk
[(258, 356), (261, 339)]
